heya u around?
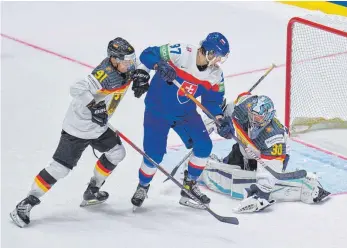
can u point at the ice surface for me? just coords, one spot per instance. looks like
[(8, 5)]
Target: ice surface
[(35, 96)]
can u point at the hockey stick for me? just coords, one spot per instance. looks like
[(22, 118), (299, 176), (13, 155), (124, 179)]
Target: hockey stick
[(173, 172), (279, 176), (262, 77), (225, 219)]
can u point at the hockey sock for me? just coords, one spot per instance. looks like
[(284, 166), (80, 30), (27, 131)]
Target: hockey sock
[(195, 167), (102, 170), (146, 173), (47, 178)]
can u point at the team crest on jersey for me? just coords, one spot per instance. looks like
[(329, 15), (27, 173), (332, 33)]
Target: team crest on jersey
[(189, 49), (190, 88)]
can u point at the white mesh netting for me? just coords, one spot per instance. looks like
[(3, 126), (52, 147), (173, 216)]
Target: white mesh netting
[(318, 74)]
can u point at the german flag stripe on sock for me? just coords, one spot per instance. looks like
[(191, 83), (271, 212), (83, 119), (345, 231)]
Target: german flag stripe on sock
[(101, 169), (44, 180)]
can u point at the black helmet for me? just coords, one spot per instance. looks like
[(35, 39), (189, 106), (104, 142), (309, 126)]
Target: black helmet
[(120, 48)]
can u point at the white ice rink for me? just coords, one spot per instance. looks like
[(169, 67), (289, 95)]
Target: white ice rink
[(35, 96)]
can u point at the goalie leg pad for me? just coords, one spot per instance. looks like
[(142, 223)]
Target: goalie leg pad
[(218, 176), (307, 190), (312, 191)]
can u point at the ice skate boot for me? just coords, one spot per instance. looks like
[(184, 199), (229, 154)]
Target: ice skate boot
[(21, 215), (190, 185), (93, 195), (139, 196)]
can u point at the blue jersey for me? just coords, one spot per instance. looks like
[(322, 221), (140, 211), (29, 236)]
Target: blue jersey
[(167, 100)]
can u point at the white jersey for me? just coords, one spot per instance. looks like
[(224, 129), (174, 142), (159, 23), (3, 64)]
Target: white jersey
[(185, 60), (103, 84)]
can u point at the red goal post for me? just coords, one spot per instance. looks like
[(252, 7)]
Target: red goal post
[(316, 73)]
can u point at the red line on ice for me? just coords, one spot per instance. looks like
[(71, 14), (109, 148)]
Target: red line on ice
[(46, 50), (319, 148)]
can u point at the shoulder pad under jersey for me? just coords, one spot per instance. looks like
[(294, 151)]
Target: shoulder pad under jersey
[(108, 77)]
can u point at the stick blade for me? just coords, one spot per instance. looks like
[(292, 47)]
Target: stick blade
[(173, 173), (224, 219), (228, 220)]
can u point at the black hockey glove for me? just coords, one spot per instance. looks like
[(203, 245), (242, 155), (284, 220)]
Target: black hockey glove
[(166, 72), (140, 82), (99, 112)]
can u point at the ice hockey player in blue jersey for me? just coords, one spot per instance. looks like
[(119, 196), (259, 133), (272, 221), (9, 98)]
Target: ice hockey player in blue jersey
[(198, 70)]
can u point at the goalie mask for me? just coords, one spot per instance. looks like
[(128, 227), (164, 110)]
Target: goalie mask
[(260, 114), (123, 52)]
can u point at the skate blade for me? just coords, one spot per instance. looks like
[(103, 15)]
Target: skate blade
[(85, 203), (16, 219), (186, 202), (134, 208)]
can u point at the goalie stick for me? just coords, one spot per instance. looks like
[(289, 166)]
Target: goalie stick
[(280, 176), (173, 172), (225, 219)]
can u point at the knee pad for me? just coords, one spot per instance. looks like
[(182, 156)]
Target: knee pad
[(57, 170), (116, 154)]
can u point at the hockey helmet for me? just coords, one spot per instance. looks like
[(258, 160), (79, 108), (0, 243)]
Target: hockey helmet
[(216, 47), (122, 51)]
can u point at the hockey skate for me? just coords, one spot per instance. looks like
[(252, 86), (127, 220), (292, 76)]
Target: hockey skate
[(255, 200), (139, 196), (190, 185), (21, 215), (93, 196)]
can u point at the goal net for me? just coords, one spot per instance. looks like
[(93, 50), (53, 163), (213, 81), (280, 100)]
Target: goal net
[(316, 73)]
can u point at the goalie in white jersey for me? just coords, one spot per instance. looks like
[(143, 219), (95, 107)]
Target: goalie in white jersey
[(95, 99), (252, 120)]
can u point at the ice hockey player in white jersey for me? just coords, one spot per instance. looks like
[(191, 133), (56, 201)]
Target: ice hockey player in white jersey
[(94, 101), (252, 119)]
